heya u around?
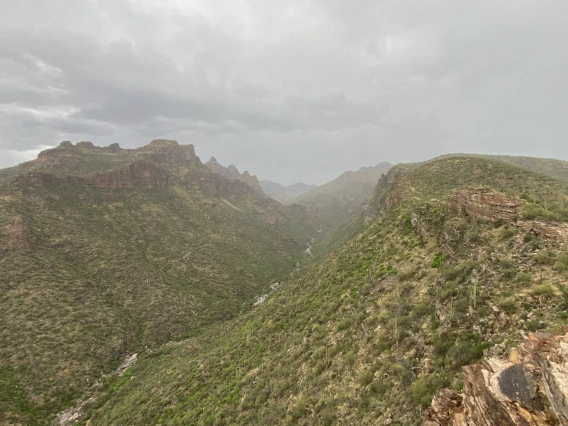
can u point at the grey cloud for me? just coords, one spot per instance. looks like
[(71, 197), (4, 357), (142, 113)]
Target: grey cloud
[(290, 90)]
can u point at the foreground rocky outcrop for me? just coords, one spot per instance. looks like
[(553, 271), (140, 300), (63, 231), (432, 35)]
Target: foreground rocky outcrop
[(485, 204), (528, 389)]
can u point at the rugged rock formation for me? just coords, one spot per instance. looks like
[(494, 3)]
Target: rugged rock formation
[(554, 231), (529, 389), (485, 204), (113, 147), (232, 172), (85, 145), (489, 205), (140, 174), (168, 153)]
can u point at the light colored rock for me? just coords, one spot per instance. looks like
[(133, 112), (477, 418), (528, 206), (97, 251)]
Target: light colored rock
[(529, 389)]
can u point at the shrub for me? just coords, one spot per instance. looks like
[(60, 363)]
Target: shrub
[(366, 377), (562, 261), (439, 259), (544, 258), (506, 233), (423, 389)]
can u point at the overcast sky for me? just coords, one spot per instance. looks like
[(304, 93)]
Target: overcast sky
[(291, 90)]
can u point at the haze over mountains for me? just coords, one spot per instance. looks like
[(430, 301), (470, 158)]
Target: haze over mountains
[(285, 194)]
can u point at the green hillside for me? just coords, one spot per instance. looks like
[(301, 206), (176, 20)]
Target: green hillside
[(367, 335), (98, 265), (551, 167)]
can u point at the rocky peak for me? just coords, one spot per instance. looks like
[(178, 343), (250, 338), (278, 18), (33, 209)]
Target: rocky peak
[(160, 143), (232, 172), (66, 144), (113, 147), (167, 152), (85, 145), (529, 389)]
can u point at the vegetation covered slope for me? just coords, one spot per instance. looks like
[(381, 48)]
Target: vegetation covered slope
[(557, 169), (370, 333), (337, 200), (100, 265)]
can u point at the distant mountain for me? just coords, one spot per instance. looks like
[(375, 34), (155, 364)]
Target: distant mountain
[(232, 172), (337, 199), (105, 252), (285, 194)]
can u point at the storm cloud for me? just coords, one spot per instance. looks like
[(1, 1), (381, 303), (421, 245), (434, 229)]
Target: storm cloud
[(293, 90)]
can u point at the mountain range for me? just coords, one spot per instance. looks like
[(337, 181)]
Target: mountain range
[(145, 287)]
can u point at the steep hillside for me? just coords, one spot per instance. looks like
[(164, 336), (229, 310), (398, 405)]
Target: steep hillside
[(96, 264), (338, 199), (232, 172), (285, 194), (453, 263)]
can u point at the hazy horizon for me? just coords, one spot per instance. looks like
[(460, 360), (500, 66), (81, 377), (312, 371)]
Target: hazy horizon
[(299, 91)]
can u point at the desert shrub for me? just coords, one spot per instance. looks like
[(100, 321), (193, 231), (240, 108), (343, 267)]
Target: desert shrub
[(562, 261), (423, 389), (543, 290), (505, 233), (366, 377), (466, 352), (544, 257), (439, 259)]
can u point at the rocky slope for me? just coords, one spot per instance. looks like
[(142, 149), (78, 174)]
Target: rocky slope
[(530, 388), (285, 194), (106, 252), (446, 268), (232, 172)]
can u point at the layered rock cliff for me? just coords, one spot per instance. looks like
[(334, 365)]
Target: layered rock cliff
[(485, 204), (140, 174), (529, 389)]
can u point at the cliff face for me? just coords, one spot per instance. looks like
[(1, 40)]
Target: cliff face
[(529, 389), (140, 174), (169, 153)]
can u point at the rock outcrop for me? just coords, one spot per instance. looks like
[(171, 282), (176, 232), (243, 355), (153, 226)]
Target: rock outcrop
[(492, 206), (529, 389), (167, 152), (485, 204), (232, 172), (85, 145), (140, 174)]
